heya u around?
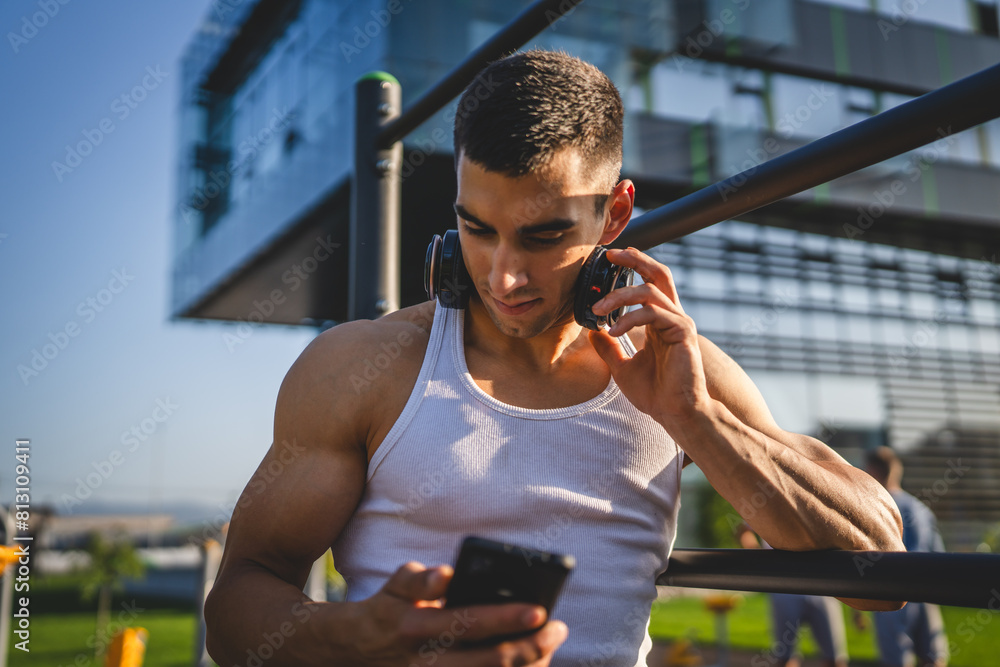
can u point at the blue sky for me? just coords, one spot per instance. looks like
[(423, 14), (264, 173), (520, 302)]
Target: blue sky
[(85, 257)]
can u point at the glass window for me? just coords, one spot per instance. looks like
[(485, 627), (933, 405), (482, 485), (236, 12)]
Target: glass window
[(959, 337), (855, 297), (689, 89), (983, 311), (859, 329), (707, 282), (783, 289), (852, 4), (821, 292), (824, 326), (711, 317), (989, 340), (894, 332), (890, 298), (921, 304), (789, 323), (746, 282), (948, 13), (804, 107)]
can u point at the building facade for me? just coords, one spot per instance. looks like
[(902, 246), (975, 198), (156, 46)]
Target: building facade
[(867, 310)]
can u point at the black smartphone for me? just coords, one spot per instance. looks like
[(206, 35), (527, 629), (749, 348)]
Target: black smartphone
[(490, 572)]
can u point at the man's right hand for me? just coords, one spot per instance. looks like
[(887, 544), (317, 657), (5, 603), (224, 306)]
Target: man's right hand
[(405, 624)]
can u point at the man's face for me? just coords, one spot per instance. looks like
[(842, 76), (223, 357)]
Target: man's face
[(525, 239)]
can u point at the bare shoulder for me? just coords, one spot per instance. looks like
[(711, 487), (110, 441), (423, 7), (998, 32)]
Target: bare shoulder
[(351, 375)]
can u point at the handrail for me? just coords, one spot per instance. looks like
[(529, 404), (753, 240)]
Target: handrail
[(956, 579), (936, 115), (533, 20)]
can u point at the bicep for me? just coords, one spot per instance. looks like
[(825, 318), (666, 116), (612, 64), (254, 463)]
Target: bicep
[(293, 508), (312, 477)]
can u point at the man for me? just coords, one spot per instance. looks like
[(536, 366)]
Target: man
[(509, 421), (918, 627)]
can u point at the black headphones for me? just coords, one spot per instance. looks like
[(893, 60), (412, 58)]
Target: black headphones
[(446, 279)]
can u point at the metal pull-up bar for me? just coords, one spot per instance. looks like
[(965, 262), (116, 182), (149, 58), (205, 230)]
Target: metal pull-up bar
[(935, 115), (961, 580)]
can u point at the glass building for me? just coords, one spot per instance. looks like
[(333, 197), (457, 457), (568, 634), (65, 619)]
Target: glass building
[(867, 310)]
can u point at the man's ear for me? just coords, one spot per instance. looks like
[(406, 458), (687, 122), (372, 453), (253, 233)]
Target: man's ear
[(622, 201)]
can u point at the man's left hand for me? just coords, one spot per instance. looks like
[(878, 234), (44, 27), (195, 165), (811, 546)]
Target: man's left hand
[(665, 379)]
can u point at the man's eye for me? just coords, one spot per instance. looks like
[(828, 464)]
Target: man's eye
[(547, 240), (476, 231)]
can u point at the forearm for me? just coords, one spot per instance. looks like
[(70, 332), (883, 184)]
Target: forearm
[(251, 613), (791, 499)]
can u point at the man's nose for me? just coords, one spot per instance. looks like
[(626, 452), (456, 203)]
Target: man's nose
[(507, 272)]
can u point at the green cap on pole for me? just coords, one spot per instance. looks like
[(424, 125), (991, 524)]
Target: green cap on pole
[(379, 76)]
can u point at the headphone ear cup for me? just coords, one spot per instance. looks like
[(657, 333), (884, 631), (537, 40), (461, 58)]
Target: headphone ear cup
[(432, 267), (454, 286), (585, 287)]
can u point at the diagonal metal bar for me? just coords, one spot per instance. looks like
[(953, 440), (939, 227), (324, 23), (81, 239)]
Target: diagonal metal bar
[(962, 580), (533, 20), (935, 115)]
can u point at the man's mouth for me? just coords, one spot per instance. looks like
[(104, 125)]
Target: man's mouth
[(517, 308)]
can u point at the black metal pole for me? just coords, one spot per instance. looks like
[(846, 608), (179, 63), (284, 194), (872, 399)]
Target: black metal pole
[(525, 25), (962, 580), (375, 201), (935, 115)]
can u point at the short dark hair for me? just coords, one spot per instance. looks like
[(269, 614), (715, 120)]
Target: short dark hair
[(884, 464), (538, 103)]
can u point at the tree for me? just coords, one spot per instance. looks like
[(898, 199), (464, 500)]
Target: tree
[(111, 561)]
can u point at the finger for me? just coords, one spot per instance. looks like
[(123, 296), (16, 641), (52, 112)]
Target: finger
[(475, 623), (608, 349), (647, 267), (414, 582), (671, 326), (634, 296), (535, 649)]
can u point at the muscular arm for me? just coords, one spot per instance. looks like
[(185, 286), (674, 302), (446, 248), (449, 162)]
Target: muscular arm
[(795, 492), (296, 505), (292, 509)]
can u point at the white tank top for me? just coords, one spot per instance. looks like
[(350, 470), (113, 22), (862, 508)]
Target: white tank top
[(599, 480)]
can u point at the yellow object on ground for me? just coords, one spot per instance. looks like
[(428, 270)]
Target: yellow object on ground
[(9, 555), (128, 648)]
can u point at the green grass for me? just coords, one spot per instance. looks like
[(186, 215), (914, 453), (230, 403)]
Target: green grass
[(974, 635), (64, 640)]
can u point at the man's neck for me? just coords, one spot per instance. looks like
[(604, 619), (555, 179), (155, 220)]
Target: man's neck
[(546, 352)]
